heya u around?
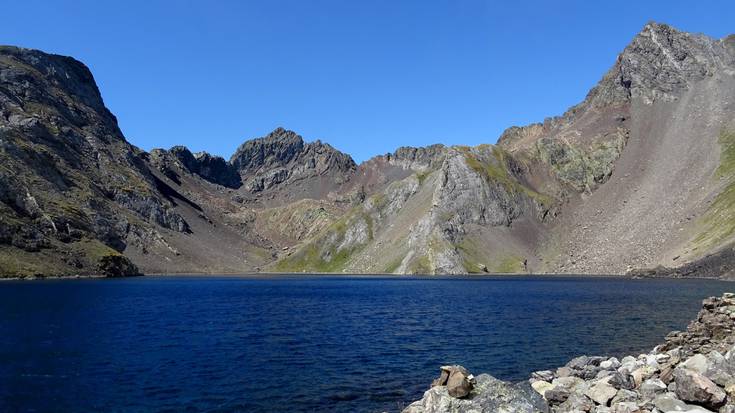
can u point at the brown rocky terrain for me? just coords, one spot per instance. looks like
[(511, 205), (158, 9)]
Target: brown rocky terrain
[(637, 177)]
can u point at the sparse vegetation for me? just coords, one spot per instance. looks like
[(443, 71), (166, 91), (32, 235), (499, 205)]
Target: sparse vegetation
[(420, 265), (471, 259), (323, 254), (421, 176), (719, 220), (81, 258), (311, 259), (508, 264), (393, 266), (496, 170), (581, 167)]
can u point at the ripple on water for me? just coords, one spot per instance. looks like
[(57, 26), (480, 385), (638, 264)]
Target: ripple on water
[(311, 344)]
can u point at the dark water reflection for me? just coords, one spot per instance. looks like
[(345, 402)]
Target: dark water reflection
[(308, 344)]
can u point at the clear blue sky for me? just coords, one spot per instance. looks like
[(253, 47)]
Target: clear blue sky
[(365, 76)]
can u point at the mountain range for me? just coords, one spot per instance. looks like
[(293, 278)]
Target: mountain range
[(637, 178)]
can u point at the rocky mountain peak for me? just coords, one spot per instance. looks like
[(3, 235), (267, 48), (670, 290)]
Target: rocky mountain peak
[(212, 168), (277, 148), (659, 65), (282, 156), (60, 75), (427, 156), (659, 62)]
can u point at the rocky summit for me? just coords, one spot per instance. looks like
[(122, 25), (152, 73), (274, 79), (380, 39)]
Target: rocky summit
[(638, 178), (692, 371)]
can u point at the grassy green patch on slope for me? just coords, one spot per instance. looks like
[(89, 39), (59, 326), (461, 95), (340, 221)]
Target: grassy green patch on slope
[(580, 167), (719, 220), (15, 262), (309, 259), (321, 255), (508, 264), (472, 260), (727, 157), (420, 265), (501, 263), (498, 172), (18, 263), (421, 176), (393, 265)]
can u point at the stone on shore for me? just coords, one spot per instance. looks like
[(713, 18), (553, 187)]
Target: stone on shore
[(457, 379), (556, 395), (697, 362), (459, 385), (601, 393), (541, 386), (694, 387), (652, 388), (543, 375), (668, 402), (489, 395)]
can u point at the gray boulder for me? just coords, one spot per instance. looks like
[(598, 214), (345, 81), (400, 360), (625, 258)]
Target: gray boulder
[(578, 363), (576, 403), (624, 396), (611, 363), (556, 395), (720, 369), (697, 362), (564, 372), (601, 393), (668, 402), (545, 375), (624, 407), (489, 395), (622, 381), (696, 388), (652, 388)]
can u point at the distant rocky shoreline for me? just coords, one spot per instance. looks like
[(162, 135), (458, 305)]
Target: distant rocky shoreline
[(642, 274), (699, 272), (691, 371)]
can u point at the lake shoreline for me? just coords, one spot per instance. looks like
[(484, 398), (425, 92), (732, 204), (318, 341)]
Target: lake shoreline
[(692, 371), (276, 275)]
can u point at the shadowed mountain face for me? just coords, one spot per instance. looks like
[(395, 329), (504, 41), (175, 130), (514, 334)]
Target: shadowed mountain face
[(639, 175), (73, 193)]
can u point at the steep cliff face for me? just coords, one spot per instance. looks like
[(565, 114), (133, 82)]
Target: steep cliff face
[(72, 192)]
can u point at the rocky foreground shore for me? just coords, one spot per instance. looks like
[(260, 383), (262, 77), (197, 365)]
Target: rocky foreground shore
[(692, 371)]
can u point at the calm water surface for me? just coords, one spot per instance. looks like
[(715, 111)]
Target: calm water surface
[(309, 344)]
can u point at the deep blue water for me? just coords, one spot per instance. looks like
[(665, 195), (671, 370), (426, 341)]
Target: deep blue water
[(343, 344)]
